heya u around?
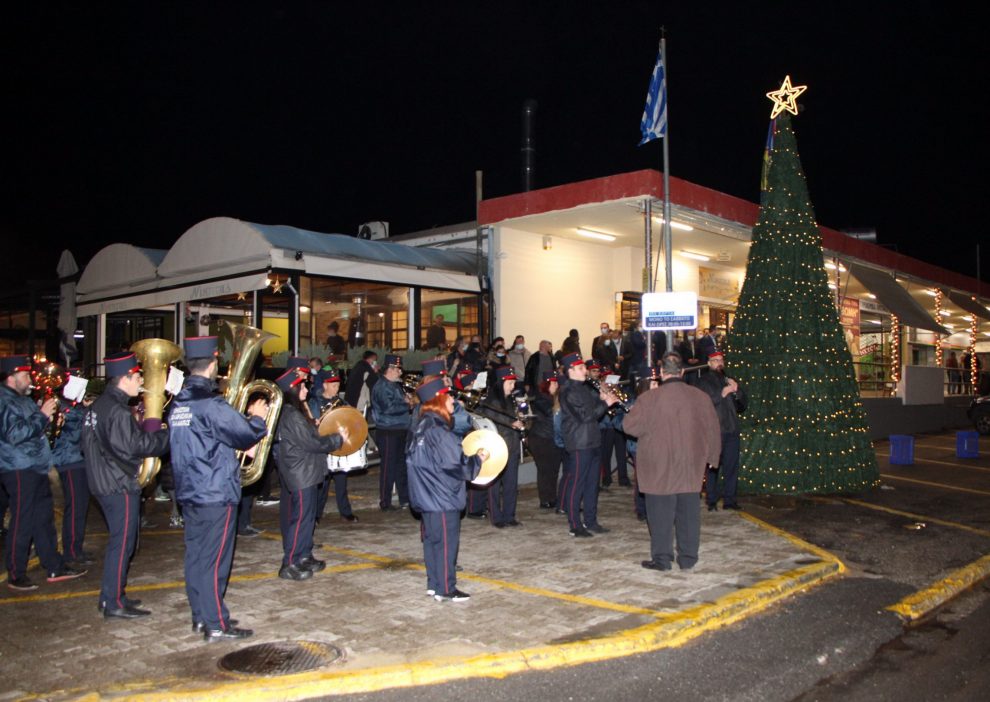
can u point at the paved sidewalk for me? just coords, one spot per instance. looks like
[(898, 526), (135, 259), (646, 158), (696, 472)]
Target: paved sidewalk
[(540, 599)]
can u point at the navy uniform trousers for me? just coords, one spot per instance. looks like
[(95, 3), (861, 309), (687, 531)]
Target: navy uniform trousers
[(441, 539), (581, 490), (339, 480), (477, 499), (31, 514), (502, 492), (75, 492), (614, 441), (392, 468), (209, 537), (728, 464), (122, 512), (297, 518)]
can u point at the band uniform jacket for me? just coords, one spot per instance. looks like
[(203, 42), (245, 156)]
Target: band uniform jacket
[(389, 408), (68, 446), (205, 431), (437, 467), (580, 409), (302, 452), (727, 408), (23, 444), (114, 444), (679, 436)]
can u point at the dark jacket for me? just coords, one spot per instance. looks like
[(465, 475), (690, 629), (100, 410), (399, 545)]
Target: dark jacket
[(580, 409), (727, 408), (356, 378), (115, 445), (302, 452), (705, 347), (23, 444), (542, 427), (205, 431), (503, 414), (606, 355), (533, 378), (68, 446), (437, 467), (389, 408)]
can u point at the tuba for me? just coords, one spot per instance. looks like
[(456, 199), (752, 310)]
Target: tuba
[(247, 343), (155, 356)]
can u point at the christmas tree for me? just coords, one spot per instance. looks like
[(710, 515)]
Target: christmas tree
[(804, 429)]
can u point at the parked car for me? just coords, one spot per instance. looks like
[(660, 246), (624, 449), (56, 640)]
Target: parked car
[(979, 414)]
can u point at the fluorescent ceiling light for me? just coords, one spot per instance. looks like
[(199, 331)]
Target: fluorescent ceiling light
[(303, 308), (696, 256), (591, 234), (875, 321), (676, 225), (833, 286), (831, 267), (871, 296)]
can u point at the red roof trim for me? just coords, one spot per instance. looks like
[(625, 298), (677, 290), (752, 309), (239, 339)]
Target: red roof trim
[(685, 194)]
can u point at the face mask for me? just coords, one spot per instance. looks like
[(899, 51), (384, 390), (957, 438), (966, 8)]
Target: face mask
[(604, 330), (500, 354), (374, 365), (608, 342), (464, 347), (519, 347)]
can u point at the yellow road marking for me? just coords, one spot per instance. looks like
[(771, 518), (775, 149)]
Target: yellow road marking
[(667, 631), (940, 463), (910, 515), (938, 485), (172, 585), (924, 601)]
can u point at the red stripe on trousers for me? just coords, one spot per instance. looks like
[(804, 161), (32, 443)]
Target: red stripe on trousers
[(123, 547), (446, 573), (216, 571), (295, 536), (17, 524)]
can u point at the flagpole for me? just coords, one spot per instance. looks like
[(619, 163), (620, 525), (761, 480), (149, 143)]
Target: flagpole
[(667, 243)]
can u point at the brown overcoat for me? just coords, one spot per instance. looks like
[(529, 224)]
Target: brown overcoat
[(678, 435)]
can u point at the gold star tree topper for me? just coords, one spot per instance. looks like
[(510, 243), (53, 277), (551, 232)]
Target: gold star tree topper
[(786, 97)]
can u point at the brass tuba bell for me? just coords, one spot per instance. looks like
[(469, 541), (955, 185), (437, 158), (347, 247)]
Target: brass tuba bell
[(155, 356), (247, 343)]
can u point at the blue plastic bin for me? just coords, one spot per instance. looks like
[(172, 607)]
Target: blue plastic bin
[(901, 450), (967, 444)]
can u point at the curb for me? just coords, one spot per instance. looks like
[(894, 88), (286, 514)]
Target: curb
[(668, 631), (941, 591)]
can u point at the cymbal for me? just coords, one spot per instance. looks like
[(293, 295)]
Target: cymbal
[(498, 453), (357, 427)]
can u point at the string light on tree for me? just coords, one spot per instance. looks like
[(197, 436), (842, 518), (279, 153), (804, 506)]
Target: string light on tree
[(974, 377), (805, 429), (938, 321), (895, 350)]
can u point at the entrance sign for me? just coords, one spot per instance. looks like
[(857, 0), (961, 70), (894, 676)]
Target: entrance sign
[(670, 310)]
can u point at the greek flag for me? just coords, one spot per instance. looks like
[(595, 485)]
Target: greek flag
[(654, 122)]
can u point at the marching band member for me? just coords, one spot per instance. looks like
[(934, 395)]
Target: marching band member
[(329, 378), (25, 456), (114, 445), (438, 470), (390, 409), (302, 462), (545, 452), (205, 431), (68, 460), (499, 408)]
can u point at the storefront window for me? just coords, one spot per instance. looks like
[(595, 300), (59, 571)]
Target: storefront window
[(365, 314), (456, 313)]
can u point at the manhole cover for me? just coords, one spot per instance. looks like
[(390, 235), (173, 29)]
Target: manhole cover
[(280, 658)]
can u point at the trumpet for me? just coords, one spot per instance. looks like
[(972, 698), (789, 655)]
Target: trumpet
[(470, 398)]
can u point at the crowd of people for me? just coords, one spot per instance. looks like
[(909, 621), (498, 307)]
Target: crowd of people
[(581, 419)]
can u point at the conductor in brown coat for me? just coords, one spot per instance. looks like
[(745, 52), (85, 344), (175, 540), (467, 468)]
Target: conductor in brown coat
[(679, 437)]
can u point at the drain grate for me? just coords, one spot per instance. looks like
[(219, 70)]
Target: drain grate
[(280, 658)]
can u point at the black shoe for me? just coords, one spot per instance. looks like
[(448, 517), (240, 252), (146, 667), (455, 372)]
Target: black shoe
[(81, 562), (389, 508), (732, 506), (558, 510), (713, 508), (310, 563), (294, 572), (128, 602), (641, 517), (210, 635), (500, 525), (546, 505), (65, 573), (598, 529), (455, 596), (22, 584), (250, 531), (348, 518), (475, 515), (581, 532), (653, 565), (200, 627), (513, 523), (125, 612)]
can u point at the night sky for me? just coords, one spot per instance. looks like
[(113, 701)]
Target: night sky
[(132, 122)]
